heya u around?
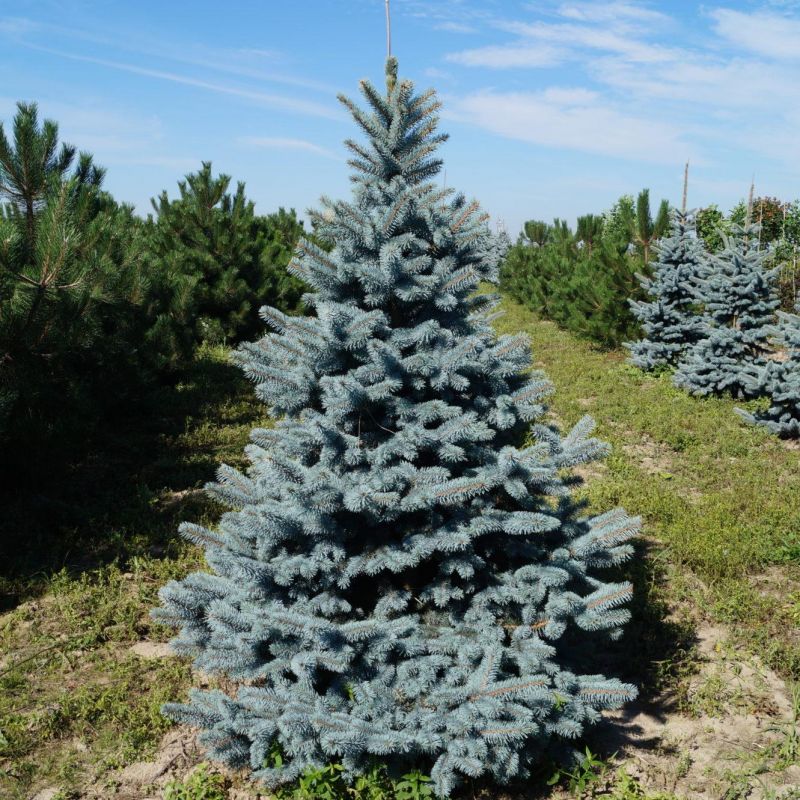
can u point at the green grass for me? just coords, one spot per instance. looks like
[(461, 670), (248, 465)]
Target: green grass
[(97, 542), (721, 497)]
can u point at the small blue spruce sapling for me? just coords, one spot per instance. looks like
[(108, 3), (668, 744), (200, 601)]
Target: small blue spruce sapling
[(670, 319), (780, 381), (739, 299), (398, 578)]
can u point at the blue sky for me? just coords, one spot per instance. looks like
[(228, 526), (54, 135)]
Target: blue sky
[(554, 108)]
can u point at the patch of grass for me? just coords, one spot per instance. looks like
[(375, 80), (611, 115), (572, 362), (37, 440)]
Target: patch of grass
[(720, 496)]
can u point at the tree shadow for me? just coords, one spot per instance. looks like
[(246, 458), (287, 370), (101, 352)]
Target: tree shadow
[(122, 491)]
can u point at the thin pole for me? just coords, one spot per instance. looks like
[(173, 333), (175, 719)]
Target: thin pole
[(388, 31), (685, 185)]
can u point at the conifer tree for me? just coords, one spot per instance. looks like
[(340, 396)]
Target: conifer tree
[(780, 381), (739, 299), (645, 230), (70, 286), (536, 231), (398, 577), (209, 245), (670, 318)]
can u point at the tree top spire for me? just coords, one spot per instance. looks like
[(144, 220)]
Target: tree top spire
[(391, 74)]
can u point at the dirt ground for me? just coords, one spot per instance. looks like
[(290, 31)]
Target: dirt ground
[(734, 733)]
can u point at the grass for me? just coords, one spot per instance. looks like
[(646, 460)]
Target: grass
[(721, 497), (85, 552), (99, 541)]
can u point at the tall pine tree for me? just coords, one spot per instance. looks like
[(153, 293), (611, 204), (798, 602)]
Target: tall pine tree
[(398, 577), (670, 319), (739, 299), (780, 381)]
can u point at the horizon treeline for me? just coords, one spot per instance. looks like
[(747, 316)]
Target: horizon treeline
[(583, 278)]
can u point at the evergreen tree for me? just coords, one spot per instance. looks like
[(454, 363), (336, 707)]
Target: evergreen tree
[(589, 230), (582, 281), (399, 578), (594, 298), (739, 300), (536, 231), (70, 285), (669, 319), (780, 380), (208, 248), (280, 233), (645, 230)]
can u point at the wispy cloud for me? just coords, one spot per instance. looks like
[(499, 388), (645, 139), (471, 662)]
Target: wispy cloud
[(280, 143), (772, 36), (575, 119), (733, 84), (115, 136), (509, 56), (451, 26), (15, 26), (246, 62), (611, 12), (276, 101)]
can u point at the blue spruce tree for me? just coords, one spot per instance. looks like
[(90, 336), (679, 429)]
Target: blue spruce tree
[(670, 320), (398, 578), (780, 380), (739, 299)]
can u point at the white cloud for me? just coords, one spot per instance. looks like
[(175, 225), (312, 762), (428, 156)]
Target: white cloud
[(729, 88), (243, 61), (509, 56), (576, 38), (610, 12), (772, 36), (279, 143), (454, 27), (114, 136), (574, 119)]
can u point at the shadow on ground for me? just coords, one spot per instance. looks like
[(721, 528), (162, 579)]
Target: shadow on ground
[(123, 491)]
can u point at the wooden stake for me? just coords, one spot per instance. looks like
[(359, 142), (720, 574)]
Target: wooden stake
[(685, 186), (388, 31)]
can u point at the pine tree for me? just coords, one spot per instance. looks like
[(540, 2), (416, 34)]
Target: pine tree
[(70, 286), (670, 319), (209, 246), (536, 231), (780, 380), (645, 230), (739, 300), (399, 578), (589, 230)]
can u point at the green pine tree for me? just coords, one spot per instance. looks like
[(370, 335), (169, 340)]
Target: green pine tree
[(70, 281), (216, 260)]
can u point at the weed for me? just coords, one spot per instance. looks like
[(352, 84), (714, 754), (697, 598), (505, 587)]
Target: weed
[(584, 778), (200, 785)]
